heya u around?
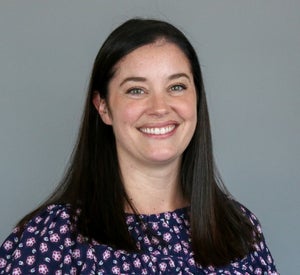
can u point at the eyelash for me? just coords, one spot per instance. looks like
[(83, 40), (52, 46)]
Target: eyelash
[(135, 91), (139, 91), (180, 86)]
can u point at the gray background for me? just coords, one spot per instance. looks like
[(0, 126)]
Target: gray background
[(250, 55)]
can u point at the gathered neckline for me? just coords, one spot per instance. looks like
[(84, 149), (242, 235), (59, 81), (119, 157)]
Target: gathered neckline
[(167, 215)]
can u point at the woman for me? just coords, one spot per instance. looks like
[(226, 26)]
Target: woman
[(141, 195)]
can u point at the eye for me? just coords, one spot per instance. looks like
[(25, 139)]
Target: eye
[(178, 88), (135, 91)]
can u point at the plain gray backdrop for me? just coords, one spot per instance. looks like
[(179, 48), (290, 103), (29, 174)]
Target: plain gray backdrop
[(250, 56)]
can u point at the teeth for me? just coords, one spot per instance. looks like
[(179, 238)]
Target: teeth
[(158, 131)]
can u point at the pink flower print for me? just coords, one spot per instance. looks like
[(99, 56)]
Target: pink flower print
[(155, 226), (56, 255), (43, 269), (129, 219), (16, 271), (2, 263), (106, 255), (164, 224), (269, 259), (52, 225), (186, 244), (145, 258), (50, 207), (211, 268), (67, 259), (17, 254), (137, 263), (167, 237), (8, 267), (89, 254), (30, 260), (172, 264), (177, 247), (76, 253), (46, 220), (43, 247), (117, 254), (63, 229), (235, 264), (44, 231), (258, 271), (64, 215), (176, 229), (80, 238), (58, 272), (262, 261), (31, 229), (73, 271), (191, 261), (167, 216), (54, 238), (126, 266), (68, 242), (163, 266), (147, 241), (259, 229), (154, 240), (115, 270), (144, 271), (165, 251), (178, 220), (30, 242), (16, 229), (38, 219), (8, 245)]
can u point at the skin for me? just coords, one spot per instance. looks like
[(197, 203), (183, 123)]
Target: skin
[(152, 109)]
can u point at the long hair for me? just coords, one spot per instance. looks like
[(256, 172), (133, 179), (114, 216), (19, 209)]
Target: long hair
[(93, 181)]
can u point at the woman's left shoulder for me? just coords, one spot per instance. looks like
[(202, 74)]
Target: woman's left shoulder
[(260, 258)]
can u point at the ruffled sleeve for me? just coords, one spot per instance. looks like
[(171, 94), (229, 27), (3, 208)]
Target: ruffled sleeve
[(47, 245)]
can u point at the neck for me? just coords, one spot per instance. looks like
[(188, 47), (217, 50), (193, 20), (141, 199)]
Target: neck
[(152, 190)]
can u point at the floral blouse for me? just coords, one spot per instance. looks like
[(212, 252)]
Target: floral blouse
[(48, 245)]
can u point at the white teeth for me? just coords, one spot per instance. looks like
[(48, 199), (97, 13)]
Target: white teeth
[(158, 131)]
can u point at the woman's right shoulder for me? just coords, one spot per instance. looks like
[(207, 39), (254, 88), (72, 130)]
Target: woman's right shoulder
[(56, 218), (49, 234)]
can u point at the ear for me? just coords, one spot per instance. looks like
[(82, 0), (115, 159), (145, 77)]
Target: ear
[(102, 108)]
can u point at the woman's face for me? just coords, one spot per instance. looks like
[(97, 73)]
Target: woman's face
[(151, 105)]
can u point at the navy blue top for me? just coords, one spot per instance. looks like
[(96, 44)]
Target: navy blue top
[(48, 246)]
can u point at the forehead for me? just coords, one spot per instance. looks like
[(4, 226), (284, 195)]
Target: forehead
[(158, 56)]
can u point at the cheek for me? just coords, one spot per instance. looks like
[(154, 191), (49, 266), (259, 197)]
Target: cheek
[(126, 113), (188, 110)]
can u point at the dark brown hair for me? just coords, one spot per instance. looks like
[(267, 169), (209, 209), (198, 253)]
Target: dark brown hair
[(219, 230)]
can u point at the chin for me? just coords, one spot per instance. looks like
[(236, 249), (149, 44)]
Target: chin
[(163, 158)]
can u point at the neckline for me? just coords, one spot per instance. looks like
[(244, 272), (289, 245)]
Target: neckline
[(163, 216)]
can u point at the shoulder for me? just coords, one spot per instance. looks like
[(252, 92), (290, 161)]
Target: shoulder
[(46, 242), (260, 258), (248, 214), (53, 222)]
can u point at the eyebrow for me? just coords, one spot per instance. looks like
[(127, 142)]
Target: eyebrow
[(143, 79)]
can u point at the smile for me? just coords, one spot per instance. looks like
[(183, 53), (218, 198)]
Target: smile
[(158, 131)]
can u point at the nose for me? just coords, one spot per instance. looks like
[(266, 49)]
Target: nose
[(158, 104)]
